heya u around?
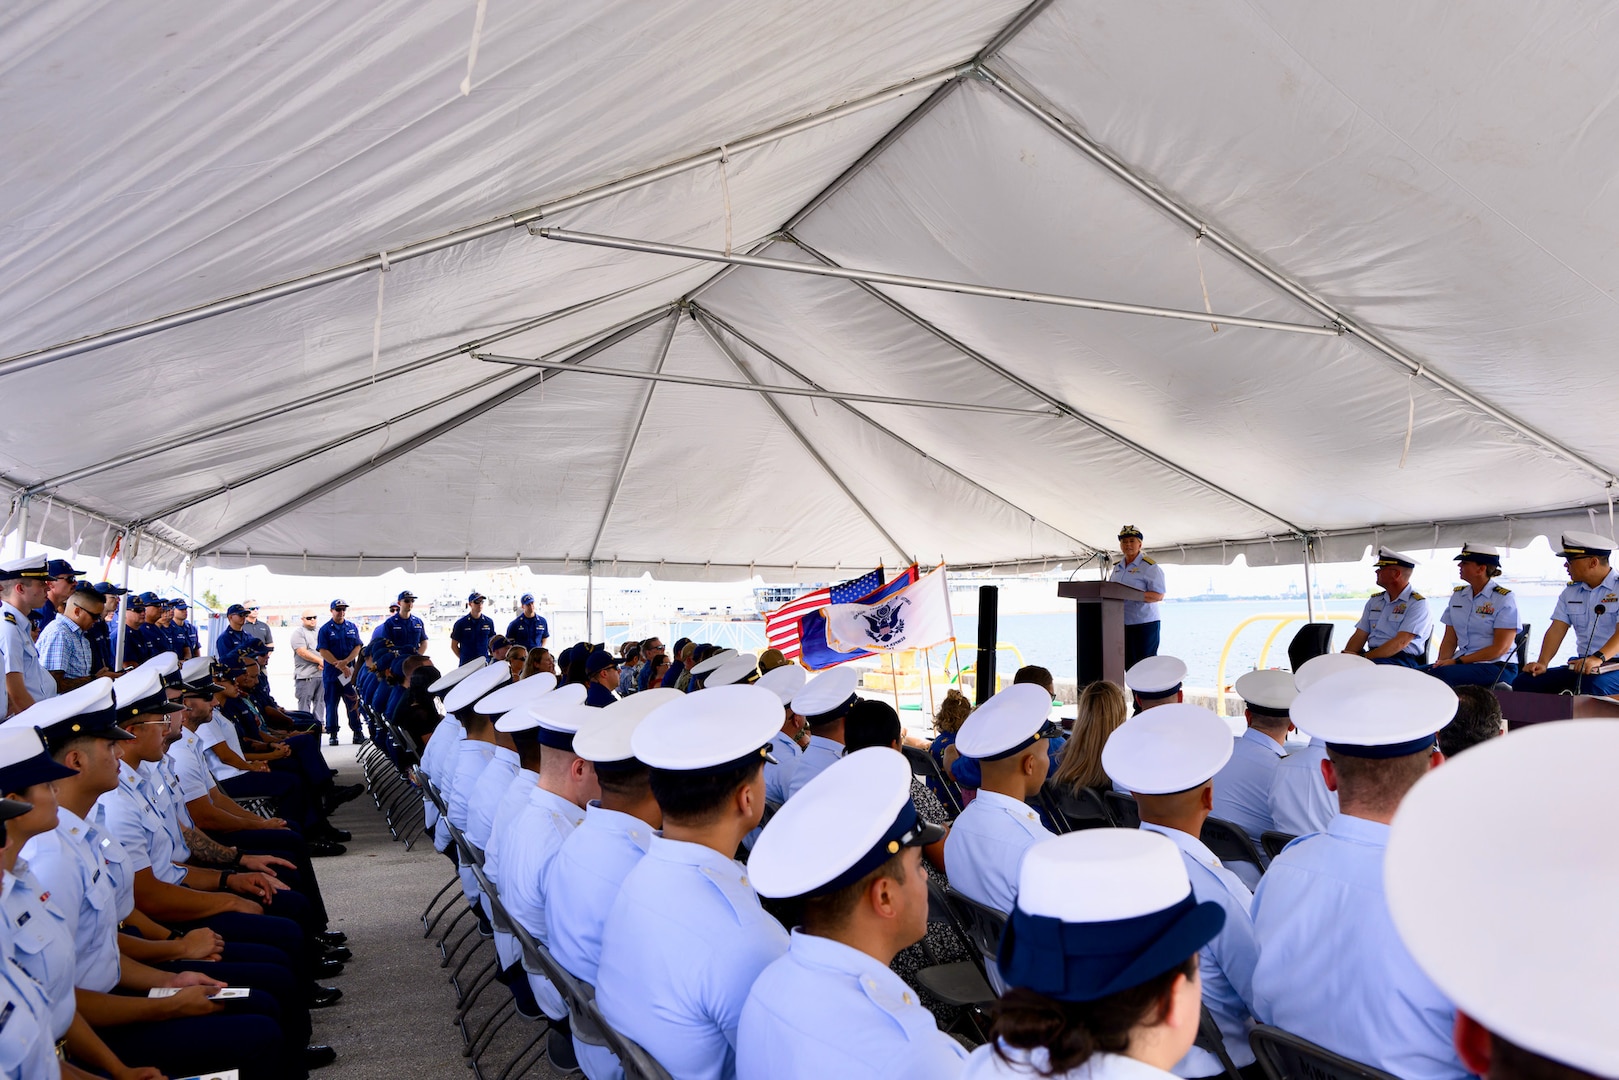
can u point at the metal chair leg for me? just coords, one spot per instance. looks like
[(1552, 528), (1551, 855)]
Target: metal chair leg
[(428, 910)]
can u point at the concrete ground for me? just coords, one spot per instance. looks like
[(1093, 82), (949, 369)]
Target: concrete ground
[(396, 1017)]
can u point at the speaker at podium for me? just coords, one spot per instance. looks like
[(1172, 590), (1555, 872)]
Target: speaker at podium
[(1098, 627)]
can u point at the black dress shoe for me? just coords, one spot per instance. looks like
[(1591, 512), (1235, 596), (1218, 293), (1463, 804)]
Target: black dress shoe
[(324, 849), (341, 953), (317, 1056), (332, 937), (326, 968), (339, 835), (332, 741), (559, 1047), (342, 795), (323, 997)]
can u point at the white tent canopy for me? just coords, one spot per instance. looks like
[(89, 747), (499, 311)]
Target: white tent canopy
[(274, 290)]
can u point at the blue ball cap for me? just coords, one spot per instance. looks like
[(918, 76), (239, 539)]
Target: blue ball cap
[(338, 604), (147, 598), (475, 597), (60, 568), (599, 661), (107, 588), (527, 598), (235, 609), (181, 605), (406, 595)]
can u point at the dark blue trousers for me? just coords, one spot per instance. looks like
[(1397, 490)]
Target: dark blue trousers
[(1562, 680), (1141, 641), (247, 1036)]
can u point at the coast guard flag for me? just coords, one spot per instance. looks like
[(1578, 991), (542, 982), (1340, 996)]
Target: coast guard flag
[(913, 617), (818, 652)]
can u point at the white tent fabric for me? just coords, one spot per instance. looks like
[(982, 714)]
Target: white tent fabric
[(1435, 185)]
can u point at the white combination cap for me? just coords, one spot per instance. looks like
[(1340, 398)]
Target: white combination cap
[(1269, 691), (1168, 749), (515, 695), (449, 679), (1387, 556), (141, 692), (1578, 545), (855, 815), (709, 731), (1101, 875), (607, 738), (1008, 722), (197, 670), (474, 685), (784, 681), (28, 566), (1156, 676), (1317, 668), (1379, 711), (1511, 920), (734, 670), (713, 662), (526, 717), (829, 694), (1485, 554)]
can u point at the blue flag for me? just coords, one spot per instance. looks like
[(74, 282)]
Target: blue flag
[(817, 654)]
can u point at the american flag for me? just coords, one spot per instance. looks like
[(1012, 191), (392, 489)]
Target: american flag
[(781, 625)]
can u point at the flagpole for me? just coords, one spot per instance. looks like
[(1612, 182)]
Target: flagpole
[(893, 679), (927, 660)]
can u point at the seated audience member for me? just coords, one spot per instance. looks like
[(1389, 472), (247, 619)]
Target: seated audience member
[(1102, 708), (1242, 790), (1478, 718)]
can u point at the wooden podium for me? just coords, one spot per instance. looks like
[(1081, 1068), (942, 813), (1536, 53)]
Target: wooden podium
[(1098, 627), (1521, 709)]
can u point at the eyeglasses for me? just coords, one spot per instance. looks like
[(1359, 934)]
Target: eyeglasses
[(307, 618), (144, 723), (253, 608)]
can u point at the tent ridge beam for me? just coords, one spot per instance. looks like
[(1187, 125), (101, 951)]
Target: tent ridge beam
[(1011, 30), (1070, 133), (1085, 548), (449, 425), (1055, 402), (786, 421), (932, 284), (635, 433), (35, 357)]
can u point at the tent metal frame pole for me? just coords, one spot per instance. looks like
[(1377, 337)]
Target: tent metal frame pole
[(521, 219), (765, 388), (78, 510), (456, 421), (1069, 133), (22, 525), (907, 281), (1023, 384), (590, 599), (1086, 549), (279, 412), (1309, 586), (781, 415), (635, 432), (121, 631)]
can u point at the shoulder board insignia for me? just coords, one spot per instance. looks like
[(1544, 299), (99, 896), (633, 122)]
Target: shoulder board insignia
[(1458, 588), (1148, 560), (10, 618), (11, 1006), (1418, 596), (1502, 589)]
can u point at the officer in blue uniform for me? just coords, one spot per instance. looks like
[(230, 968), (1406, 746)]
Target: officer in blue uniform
[(1331, 966), (339, 645), (27, 1031), (528, 629), (153, 640), (832, 1006), (1481, 624), (1589, 606), (1394, 626), (1242, 788), (100, 632), (234, 636), (406, 632), (469, 637), (1141, 623), (187, 630), (823, 702)]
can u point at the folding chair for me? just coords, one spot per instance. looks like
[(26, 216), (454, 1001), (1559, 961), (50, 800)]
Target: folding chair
[(984, 926), (1285, 1056), (1122, 809), (1075, 810), (502, 1015), (1212, 1039), (1230, 844), (1311, 640), (962, 983), (1273, 841), (923, 765)]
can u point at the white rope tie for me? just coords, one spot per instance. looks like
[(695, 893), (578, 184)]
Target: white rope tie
[(1610, 509), (1410, 413), (44, 519), (1208, 308), (725, 191), (472, 51), (376, 326)]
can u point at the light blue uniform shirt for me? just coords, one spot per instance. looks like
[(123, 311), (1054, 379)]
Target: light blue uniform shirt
[(1143, 574), (122, 863), (69, 864), (438, 764), (1242, 787), (27, 1050), (1225, 964), (1576, 605), (1408, 613), (42, 942), (985, 1064), (512, 801), (461, 772), (20, 656), (135, 821), (779, 773), (1300, 803), (986, 845), (580, 888), (528, 843), (160, 787), (1331, 967), (681, 948), (826, 1010), (817, 757), (1476, 618), (487, 789)]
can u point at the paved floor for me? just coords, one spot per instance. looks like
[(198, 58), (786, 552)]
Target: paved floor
[(395, 1019)]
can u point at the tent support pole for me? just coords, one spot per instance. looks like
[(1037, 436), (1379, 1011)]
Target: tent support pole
[(1028, 387), (120, 631), (351, 475), (635, 433), (1087, 549), (1309, 586), (22, 525), (1066, 131), (590, 600), (781, 414), (35, 357), (908, 281)]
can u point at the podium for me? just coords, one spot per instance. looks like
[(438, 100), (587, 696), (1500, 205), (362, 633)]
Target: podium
[(1522, 710), (1098, 627)]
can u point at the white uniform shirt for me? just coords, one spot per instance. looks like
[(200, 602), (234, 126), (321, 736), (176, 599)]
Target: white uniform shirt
[(70, 863), (1226, 964), (986, 845), (681, 948), (827, 1010), (816, 758), (19, 656), (1299, 800), (528, 843), (1331, 967), (1242, 787)]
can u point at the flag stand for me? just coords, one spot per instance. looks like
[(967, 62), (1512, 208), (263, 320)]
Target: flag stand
[(927, 660), (893, 681)]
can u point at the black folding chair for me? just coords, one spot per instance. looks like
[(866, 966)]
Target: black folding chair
[(1122, 809), (984, 926), (1273, 842), (1212, 1039), (1521, 644), (1073, 810), (923, 765), (962, 983), (1230, 844), (1285, 1056), (1312, 640)]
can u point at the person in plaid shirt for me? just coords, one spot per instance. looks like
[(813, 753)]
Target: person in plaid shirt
[(64, 644)]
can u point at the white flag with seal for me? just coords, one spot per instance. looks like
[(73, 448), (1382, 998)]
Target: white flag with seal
[(913, 618)]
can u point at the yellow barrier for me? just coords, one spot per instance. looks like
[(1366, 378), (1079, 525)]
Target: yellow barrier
[(968, 646), (1281, 619)]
